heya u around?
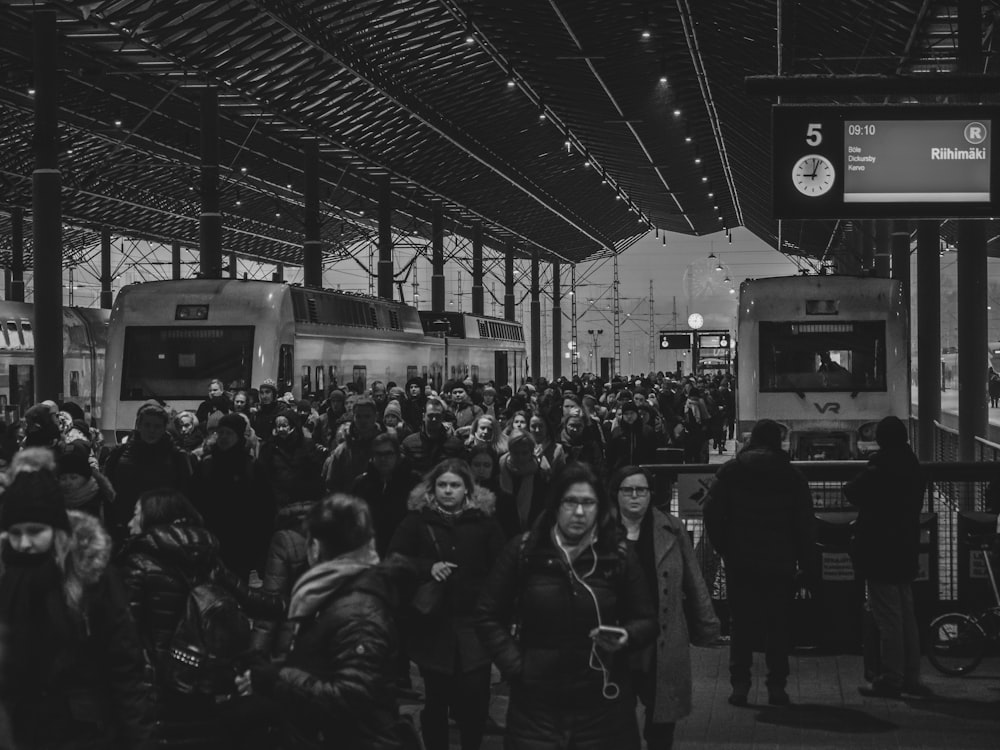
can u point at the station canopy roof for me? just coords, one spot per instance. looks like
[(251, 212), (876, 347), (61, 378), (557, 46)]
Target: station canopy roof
[(570, 127)]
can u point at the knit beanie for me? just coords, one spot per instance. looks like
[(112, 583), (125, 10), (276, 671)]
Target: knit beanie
[(393, 407), (33, 497), (234, 422)]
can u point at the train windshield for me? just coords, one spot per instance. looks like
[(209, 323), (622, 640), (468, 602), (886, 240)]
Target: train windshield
[(176, 362), (841, 356)]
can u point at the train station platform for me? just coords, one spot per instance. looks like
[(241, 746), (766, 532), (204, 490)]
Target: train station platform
[(827, 710)]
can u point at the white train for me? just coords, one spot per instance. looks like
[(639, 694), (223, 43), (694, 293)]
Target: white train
[(826, 357), (167, 339), (84, 344)]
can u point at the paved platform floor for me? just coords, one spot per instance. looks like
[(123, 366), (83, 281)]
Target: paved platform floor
[(828, 712)]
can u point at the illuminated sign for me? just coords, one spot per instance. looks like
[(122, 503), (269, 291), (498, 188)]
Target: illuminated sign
[(713, 340), (675, 340), (890, 161)]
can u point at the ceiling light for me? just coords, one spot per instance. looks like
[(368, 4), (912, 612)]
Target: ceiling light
[(718, 266), (704, 179), (243, 170), (732, 291), (687, 139), (118, 123), (728, 280), (677, 113), (31, 92), (712, 195), (697, 160), (541, 115), (663, 78), (511, 83), (586, 163), (711, 255), (277, 214), (288, 186), (646, 34)]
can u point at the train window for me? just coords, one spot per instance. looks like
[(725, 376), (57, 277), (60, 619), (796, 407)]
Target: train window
[(411, 372), (333, 376), (360, 378), (27, 335), (285, 365), (842, 356), (13, 335), (74, 383), (176, 362), (475, 373), (320, 384), (306, 380), (5, 339)]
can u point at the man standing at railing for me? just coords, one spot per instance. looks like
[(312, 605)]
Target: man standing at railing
[(889, 495)]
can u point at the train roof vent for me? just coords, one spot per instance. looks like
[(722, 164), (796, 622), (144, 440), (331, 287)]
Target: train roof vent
[(372, 316), (483, 329), (394, 321), (313, 309)]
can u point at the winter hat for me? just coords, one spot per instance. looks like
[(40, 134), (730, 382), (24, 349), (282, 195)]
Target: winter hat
[(269, 383), (73, 461), (40, 426), (629, 406), (73, 409), (303, 407), (891, 433), (234, 422), (419, 382), (766, 434), (33, 497), (393, 407)]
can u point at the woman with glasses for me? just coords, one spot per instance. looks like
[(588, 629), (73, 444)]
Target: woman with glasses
[(574, 595), (662, 673)]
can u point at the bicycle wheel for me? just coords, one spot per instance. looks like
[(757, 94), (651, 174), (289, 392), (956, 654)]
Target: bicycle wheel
[(957, 644)]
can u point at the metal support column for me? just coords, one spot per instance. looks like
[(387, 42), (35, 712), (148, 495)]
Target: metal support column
[(106, 292), (509, 305), (928, 335), (973, 417), (574, 355), (900, 251), (437, 258), (536, 321), (279, 273), (883, 253), (175, 260), (16, 255), (210, 230), (478, 308), (385, 270), (232, 265), (556, 324), (312, 246), (617, 368), (46, 211)]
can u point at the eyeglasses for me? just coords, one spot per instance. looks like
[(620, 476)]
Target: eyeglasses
[(634, 491), (570, 503)]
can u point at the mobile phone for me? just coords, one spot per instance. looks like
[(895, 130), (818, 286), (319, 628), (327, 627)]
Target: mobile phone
[(612, 632)]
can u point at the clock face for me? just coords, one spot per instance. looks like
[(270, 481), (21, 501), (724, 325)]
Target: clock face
[(695, 320), (813, 175)]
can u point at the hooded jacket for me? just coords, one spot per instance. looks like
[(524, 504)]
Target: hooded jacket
[(472, 539), (759, 515), (889, 494), (88, 684), (631, 445)]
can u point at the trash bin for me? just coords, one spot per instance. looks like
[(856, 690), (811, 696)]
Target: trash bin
[(973, 581), (839, 593)]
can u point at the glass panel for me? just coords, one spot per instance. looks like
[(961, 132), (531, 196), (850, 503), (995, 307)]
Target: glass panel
[(841, 356), (320, 384), (360, 378), (285, 365), (306, 380), (176, 362)]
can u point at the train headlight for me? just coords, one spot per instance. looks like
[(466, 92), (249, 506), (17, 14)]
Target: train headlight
[(866, 432)]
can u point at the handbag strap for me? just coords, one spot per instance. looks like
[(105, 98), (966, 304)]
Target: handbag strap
[(434, 541)]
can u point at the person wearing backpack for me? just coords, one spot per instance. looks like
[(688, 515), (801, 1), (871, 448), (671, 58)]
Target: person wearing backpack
[(184, 601), (336, 687), (72, 673), (564, 605)]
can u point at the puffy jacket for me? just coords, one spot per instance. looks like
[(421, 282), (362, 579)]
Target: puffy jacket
[(472, 539), (889, 494), (291, 468), (86, 687), (137, 466), (347, 462), (335, 689), (286, 561), (531, 587), (424, 453), (759, 515)]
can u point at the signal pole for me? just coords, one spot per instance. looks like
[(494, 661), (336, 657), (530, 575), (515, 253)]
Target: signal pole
[(652, 331)]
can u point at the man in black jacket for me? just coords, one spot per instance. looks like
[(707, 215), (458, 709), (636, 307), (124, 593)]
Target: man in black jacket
[(759, 516), (889, 494)]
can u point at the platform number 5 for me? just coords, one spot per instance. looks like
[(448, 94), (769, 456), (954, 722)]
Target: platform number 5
[(813, 135)]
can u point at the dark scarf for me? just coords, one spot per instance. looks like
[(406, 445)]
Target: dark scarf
[(39, 626)]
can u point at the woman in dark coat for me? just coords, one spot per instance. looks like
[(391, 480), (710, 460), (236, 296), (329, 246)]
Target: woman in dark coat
[(523, 479), (557, 586), (290, 463), (171, 551), (452, 538), (73, 667), (662, 673)]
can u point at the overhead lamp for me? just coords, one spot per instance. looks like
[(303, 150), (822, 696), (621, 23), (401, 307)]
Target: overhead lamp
[(718, 266), (646, 34), (687, 139), (704, 179), (663, 78), (732, 290), (511, 83), (243, 170), (31, 92), (727, 279), (569, 146), (587, 163), (238, 201), (663, 70), (712, 256), (697, 160), (541, 115), (618, 197), (277, 214), (711, 194), (288, 186), (677, 113), (730, 238)]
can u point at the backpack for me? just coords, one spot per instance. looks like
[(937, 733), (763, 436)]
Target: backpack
[(212, 634)]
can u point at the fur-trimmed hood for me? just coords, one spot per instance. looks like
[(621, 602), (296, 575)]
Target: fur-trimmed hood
[(88, 557), (482, 499)]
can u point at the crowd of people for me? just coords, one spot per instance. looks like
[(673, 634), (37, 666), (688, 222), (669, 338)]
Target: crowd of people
[(262, 572)]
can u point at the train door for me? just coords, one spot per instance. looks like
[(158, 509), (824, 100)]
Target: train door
[(22, 388), (286, 359), (500, 372)]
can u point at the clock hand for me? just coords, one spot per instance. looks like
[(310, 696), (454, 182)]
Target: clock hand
[(815, 169)]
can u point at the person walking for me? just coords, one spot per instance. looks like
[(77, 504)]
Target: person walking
[(662, 673), (889, 494), (577, 598), (759, 516)]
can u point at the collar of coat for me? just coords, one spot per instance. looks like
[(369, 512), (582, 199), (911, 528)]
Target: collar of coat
[(482, 499)]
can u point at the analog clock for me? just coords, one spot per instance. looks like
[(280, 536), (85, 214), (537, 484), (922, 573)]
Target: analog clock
[(813, 175), (695, 321)]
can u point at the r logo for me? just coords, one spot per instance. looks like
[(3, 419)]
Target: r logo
[(830, 406)]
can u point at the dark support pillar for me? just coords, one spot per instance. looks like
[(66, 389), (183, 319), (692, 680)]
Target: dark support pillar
[(477, 270), (437, 258), (928, 335), (16, 255), (536, 321), (106, 293), (210, 232), (232, 265), (385, 270), (556, 324), (883, 254), (279, 273), (46, 212), (175, 260), (867, 246), (6, 283), (900, 254), (973, 416), (509, 304), (312, 247)]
